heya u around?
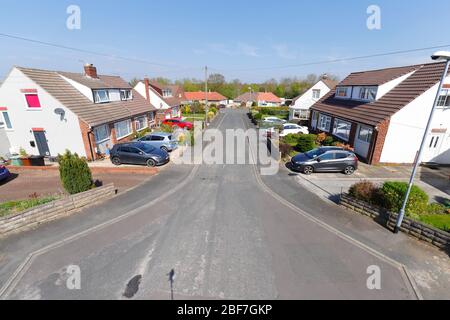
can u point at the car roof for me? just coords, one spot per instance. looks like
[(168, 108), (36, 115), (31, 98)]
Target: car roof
[(161, 134)]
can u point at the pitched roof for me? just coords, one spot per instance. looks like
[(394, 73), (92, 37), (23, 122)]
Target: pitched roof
[(103, 82), (373, 113), (178, 95), (200, 95), (91, 113), (376, 77), (331, 84), (260, 96)]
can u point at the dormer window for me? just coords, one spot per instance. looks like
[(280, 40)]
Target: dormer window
[(342, 92), (125, 95), (444, 99), (167, 93), (368, 93), (101, 96)]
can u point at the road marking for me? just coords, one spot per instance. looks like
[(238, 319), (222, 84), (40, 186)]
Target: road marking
[(12, 282), (406, 275)]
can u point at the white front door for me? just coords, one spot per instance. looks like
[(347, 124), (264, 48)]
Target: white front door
[(433, 147), (363, 140)]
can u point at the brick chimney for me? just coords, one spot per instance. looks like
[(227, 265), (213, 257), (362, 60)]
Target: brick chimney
[(90, 71), (147, 89)]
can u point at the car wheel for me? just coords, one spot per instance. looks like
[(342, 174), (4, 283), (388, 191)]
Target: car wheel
[(349, 170), (116, 161), (308, 170), (151, 163), (164, 149)]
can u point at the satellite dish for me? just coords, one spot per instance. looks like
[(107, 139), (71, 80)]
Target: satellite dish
[(61, 112)]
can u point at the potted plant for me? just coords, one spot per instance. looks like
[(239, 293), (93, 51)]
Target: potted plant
[(26, 161)]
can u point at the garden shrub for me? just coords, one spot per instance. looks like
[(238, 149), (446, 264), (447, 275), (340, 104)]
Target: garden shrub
[(285, 149), (166, 128), (364, 190), (435, 208), (306, 142), (213, 109), (75, 173), (292, 139), (328, 141), (394, 194), (321, 137), (258, 116)]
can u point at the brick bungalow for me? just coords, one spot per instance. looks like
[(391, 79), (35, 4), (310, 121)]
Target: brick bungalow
[(50, 111), (383, 114)]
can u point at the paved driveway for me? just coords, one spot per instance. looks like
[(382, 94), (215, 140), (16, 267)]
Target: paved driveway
[(436, 182)]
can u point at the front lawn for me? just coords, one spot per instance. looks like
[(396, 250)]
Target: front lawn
[(12, 207), (439, 221)]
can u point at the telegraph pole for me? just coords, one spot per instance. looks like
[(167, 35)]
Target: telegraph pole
[(206, 96)]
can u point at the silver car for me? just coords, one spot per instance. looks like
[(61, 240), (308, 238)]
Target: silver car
[(161, 140)]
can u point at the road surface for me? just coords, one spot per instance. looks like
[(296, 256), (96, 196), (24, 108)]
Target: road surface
[(219, 227)]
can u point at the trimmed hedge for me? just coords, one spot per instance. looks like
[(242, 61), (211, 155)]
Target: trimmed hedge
[(394, 194), (306, 142)]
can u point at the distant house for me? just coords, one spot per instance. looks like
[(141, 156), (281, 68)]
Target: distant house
[(47, 112), (200, 97), (262, 99), (383, 114), (168, 99), (299, 109)]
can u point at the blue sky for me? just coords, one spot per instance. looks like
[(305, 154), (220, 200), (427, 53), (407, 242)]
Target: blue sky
[(236, 38)]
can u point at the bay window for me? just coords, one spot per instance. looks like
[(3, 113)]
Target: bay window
[(101, 133), (341, 129), (324, 123), (123, 129), (141, 123)]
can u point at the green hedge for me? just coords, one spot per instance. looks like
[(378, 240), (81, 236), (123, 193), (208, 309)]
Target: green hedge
[(394, 194), (306, 142)]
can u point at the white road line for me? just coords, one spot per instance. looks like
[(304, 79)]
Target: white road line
[(406, 275)]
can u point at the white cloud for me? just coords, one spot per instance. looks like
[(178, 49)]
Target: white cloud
[(248, 50), (239, 49)]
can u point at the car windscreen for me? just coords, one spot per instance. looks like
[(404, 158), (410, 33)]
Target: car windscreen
[(146, 148), (314, 153)]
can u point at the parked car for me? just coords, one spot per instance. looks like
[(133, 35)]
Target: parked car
[(274, 120), (178, 123), (138, 153), (291, 128), (4, 173), (161, 140), (222, 106), (326, 159)]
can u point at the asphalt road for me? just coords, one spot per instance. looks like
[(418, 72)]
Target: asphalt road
[(219, 227)]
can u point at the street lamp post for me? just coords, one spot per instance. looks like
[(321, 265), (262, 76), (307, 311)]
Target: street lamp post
[(442, 56)]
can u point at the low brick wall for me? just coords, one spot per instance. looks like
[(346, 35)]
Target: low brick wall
[(418, 230), (54, 210)]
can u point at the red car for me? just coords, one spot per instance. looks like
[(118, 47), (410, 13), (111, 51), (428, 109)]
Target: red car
[(178, 123)]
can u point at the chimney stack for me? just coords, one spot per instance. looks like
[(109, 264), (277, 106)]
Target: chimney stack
[(147, 89), (90, 71)]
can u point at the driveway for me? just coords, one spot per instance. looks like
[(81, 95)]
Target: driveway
[(227, 235), (436, 182)]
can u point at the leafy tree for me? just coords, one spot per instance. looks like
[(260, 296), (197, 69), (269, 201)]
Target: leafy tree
[(133, 82)]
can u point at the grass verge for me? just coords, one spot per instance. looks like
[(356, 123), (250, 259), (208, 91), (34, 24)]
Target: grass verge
[(12, 207)]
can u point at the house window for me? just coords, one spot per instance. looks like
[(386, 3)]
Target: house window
[(316, 94), (365, 134), (6, 121), (368, 93), (123, 129), (341, 92), (125, 95), (33, 101), (151, 116), (101, 96), (341, 129), (167, 93), (101, 133), (141, 123), (324, 123), (301, 114), (444, 99)]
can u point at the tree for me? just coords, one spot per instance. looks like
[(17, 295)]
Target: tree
[(133, 82)]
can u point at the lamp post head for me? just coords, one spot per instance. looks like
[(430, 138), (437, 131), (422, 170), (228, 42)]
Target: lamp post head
[(441, 55)]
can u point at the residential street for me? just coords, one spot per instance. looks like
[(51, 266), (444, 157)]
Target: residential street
[(227, 236)]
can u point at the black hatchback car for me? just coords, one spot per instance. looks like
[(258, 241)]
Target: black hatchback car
[(326, 159), (138, 153)]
